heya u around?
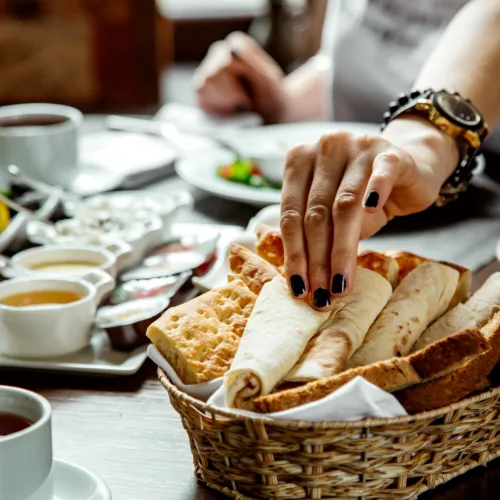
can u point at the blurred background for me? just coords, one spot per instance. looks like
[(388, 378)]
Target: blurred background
[(135, 55)]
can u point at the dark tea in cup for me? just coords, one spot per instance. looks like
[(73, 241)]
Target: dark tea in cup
[(10, 423), (32, 120)]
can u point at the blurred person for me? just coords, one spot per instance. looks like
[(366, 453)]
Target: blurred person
[(347, 187)]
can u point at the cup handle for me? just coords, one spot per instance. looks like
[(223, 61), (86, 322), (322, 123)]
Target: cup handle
[(102, 281)]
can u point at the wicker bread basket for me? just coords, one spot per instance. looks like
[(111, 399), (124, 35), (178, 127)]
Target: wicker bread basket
[(376, 459)]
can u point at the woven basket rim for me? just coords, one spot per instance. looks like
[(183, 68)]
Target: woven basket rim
[(174, 391)]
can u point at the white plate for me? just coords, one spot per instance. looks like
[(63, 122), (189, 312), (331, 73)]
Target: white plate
[(72, 482), (136, 158), (97, 359), (199, 169), (94, 179)]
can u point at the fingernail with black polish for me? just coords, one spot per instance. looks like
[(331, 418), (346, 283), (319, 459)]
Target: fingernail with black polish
[(240, 108), (339, 283), (321, 298), (297, 285), (372, 199)]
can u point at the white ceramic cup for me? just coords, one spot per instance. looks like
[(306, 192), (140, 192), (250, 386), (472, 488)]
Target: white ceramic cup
[(46, 152), (26, 456), (51, 330), (107, 258)]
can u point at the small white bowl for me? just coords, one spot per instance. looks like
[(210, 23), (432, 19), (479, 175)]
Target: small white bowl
[(30, 262), (271, 166)]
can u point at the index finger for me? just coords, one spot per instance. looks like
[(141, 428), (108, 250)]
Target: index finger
[(296, 182)]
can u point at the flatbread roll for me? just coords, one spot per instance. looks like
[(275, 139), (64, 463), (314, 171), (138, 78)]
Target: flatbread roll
[(254, 271), (276, 335), (464, 283), (475, 312), (200, 338), (422, 296), (486, 301), (458, 318), (380, 263), (408, 261), (393, 374), (328, 351)]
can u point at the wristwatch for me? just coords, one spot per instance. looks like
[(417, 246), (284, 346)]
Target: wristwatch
[(455, 116)]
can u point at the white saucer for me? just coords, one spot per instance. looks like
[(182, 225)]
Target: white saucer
[(72, 482)]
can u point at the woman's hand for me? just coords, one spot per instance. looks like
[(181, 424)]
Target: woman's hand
[(237, 75), (347, 187)]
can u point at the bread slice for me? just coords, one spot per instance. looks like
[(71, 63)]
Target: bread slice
[(459, 383), (200, 338), (270, 245), (391, 375), (380, 263), (253, 270)]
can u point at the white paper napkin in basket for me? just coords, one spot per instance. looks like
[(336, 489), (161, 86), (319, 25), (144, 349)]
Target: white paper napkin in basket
[(198, 391), (356, 400)]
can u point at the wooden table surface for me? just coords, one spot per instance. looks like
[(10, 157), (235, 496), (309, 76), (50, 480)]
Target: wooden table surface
[(125, 430)]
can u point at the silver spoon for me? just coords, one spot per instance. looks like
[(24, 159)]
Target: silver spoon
[(40, 186), (17, 208)]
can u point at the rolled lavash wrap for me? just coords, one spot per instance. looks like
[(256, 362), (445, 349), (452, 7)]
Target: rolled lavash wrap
[(475, 312), (328, 351), (421, 297), (275, 337)]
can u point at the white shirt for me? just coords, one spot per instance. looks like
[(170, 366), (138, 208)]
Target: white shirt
[(379, 48)]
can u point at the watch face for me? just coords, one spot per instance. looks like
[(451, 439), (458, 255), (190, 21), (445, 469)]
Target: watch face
[(458, 109)]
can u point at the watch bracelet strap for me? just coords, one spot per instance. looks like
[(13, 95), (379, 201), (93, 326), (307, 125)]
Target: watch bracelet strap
[(459, 180)]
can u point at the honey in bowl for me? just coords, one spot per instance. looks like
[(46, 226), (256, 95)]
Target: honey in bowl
[(40, 298), (64, 267)]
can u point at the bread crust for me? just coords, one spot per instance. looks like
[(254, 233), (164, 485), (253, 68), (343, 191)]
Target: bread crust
[(382, 264), (253, 270), (270, 245), (199, 338), (390, 375), (459, 383)]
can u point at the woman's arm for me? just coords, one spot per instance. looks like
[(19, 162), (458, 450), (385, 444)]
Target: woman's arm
[(467, 59), (347, 186)]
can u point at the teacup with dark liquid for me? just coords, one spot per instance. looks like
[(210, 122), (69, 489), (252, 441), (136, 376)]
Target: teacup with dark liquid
[(41, 139), (25, 445)]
